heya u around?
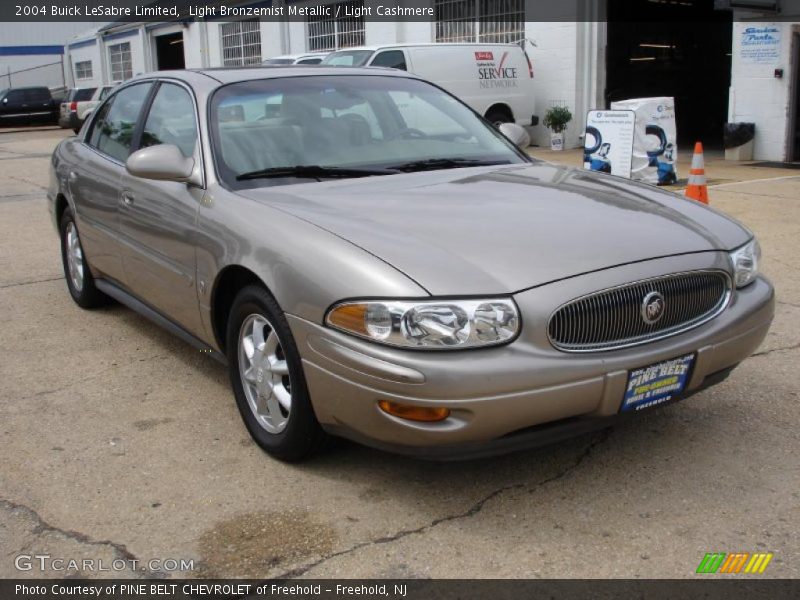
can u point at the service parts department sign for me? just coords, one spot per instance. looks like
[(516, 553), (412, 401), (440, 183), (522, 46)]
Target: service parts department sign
[(760, 45), (608, 143), (494, 71)]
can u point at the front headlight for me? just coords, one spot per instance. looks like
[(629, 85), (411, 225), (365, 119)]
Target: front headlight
[(745, 263), (429, 324)]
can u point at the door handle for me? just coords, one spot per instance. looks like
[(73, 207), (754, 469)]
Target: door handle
[(127, 199)]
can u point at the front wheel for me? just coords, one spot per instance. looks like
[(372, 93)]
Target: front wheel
[(267, 378)]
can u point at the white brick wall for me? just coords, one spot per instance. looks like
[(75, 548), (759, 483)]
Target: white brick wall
[(756, 96), (84, 53)]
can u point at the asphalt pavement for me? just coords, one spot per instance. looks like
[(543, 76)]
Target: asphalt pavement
[(120, 442)]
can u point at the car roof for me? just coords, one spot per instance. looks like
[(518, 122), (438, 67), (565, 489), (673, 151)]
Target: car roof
[(373, 48), (225, 75)]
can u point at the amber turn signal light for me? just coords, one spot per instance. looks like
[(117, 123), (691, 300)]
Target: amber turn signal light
[(428, 414)]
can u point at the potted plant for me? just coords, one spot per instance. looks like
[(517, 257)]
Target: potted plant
[(556, 119)]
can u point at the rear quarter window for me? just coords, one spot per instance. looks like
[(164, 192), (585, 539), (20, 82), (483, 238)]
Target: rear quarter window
[(82, 94)]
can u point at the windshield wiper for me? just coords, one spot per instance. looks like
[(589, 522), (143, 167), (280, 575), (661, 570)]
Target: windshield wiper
[(433, 164), (313, 172)]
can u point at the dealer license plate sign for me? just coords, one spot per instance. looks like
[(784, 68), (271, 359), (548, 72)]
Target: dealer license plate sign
[(656, 384)]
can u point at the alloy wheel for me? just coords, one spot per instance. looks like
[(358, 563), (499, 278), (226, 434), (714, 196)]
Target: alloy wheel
[(265, 373), (74, 257)]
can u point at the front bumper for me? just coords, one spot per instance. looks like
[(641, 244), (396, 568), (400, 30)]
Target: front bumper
[(522, 394)]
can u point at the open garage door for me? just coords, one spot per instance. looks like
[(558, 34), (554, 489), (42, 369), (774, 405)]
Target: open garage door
[(169, 52), (678, 48)]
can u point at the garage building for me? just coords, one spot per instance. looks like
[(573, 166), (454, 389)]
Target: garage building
[(722, 60)]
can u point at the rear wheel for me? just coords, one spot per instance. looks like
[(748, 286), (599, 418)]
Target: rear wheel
[(267, 378), (76, 270)]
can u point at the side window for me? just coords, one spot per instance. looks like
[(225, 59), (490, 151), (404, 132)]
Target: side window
[(104, 93), (37, 95), (394, 59), (112, 131), (15, 96), (171, 120)]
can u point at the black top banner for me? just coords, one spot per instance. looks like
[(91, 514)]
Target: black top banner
[(121, 11), (747, 587)]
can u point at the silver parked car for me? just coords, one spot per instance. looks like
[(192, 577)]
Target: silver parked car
[(374, 260)]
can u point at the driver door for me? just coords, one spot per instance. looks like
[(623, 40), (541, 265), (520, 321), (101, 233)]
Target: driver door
[(158, 219)]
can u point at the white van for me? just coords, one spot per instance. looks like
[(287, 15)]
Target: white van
[(496, 80), (309, 58)]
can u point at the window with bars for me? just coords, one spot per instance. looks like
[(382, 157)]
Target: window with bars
[(332, 33), (119, 59), (83, 69), (497, 21), (241, 43)]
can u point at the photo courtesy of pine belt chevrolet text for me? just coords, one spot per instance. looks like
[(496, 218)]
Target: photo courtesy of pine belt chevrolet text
[(375, 260)]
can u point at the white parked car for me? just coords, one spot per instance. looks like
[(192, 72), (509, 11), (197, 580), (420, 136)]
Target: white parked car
[(79, 103), (496, 80), (309, 58)]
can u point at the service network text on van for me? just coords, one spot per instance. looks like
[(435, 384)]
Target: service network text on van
[(201, 11)]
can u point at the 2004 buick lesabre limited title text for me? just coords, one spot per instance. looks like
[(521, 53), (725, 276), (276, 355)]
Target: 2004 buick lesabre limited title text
[(371, 259), (201, 11)]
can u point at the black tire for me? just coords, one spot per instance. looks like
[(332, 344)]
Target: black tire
[(302, 435), (86, 295), (496, 116)]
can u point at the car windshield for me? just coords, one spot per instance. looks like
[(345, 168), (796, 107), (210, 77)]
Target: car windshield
[(348, 58), (375, 124)]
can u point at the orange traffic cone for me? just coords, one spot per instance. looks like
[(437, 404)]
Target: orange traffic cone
[(697, 188)]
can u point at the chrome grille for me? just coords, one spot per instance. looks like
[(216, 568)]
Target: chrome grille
[(613, 318)]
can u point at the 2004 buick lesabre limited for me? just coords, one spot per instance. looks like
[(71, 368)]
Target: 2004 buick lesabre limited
[(373, 260)]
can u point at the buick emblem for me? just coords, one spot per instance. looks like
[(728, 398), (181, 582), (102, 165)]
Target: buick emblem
[(652, 307)]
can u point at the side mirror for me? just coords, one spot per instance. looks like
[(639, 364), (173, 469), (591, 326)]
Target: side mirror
[(516, 134), (164, 162)]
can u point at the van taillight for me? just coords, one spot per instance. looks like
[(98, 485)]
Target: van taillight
[(530, 66), (73, 106)]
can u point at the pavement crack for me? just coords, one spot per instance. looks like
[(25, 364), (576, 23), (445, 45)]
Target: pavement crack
[(473, 510), (96, 375), (19, 283), (778, 349), (28, 181), (42, 526), (783, 302)]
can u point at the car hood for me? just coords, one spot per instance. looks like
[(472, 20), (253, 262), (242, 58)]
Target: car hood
[(494, 230)]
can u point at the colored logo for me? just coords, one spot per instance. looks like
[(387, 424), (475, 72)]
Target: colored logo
[(652, 307), (736, 562), (484, 56)]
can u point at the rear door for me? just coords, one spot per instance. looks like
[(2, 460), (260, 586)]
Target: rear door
[(158, 219), (38, 102), (95, 178)]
